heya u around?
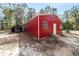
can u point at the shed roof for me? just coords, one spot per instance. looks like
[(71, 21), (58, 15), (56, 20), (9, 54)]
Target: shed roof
[(39, 15)]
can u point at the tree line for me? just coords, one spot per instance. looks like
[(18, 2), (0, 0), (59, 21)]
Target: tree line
[(17, 14), (71, 18), (14, 14)]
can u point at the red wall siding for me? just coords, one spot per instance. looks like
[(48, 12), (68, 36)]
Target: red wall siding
[(32, 26), (50, 20)]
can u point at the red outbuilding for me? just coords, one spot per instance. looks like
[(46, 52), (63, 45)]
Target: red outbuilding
[(43, 26)]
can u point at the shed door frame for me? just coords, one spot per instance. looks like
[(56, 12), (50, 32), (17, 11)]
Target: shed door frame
[(54, 28)]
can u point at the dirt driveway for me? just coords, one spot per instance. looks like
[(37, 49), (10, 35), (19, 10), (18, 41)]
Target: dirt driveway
[(9, 44), (30, 47), (23, 44), (72, 39)]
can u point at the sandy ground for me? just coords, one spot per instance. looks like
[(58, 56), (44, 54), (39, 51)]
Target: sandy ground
[(23, 44), (67, 45), (9, 44), (72, 40), (30, 47)]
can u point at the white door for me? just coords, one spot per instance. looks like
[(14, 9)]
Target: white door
[(54, 29)]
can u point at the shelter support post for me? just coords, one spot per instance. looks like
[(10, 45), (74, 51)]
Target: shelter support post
[(38, 28)]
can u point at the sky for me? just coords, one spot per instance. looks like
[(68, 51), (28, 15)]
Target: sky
[(61, 7)]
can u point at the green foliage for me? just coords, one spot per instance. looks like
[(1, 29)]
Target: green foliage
[(30, 13), (72, 18), (8, 12), (13, 14), (48, 10), (67, 26)]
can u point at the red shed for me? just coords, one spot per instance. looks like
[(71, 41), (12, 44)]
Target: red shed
[(43, 25)]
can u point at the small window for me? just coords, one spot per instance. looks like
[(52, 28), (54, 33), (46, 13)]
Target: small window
[(45, 24)]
